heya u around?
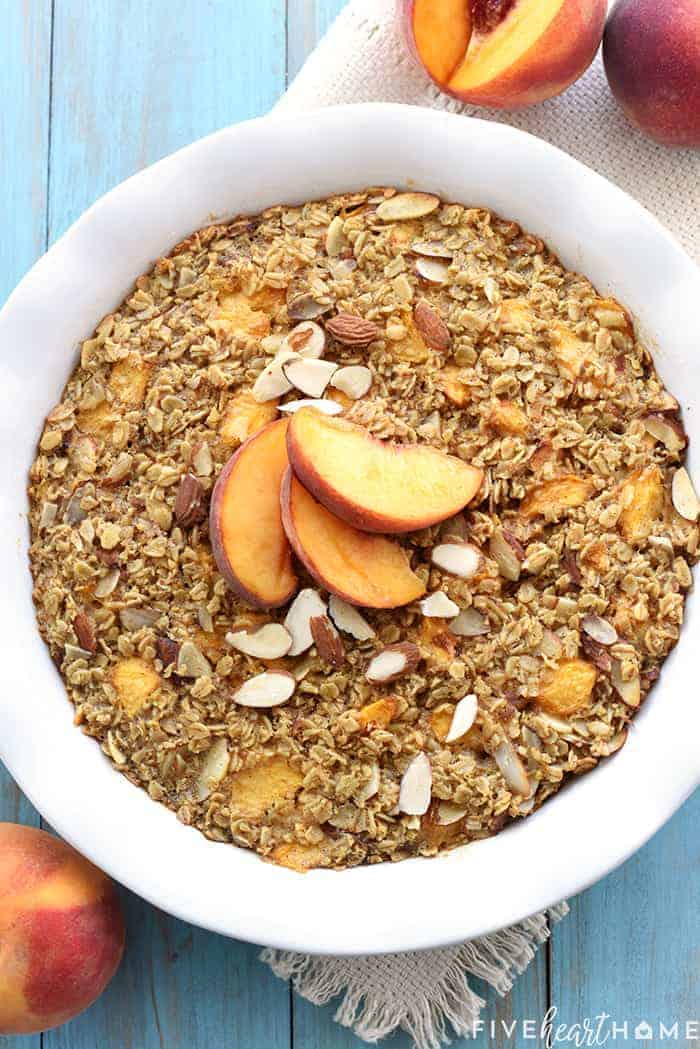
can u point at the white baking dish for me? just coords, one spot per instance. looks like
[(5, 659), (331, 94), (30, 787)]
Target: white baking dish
[(586, 829)]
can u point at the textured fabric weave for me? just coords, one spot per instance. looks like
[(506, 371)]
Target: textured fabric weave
[(363, 58)]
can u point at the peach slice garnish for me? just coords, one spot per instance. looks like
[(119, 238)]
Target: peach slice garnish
[(245, 521), (366, 570), (374, 485)]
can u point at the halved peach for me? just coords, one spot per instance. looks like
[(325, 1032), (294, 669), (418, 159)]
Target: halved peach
[(375, 485), (245, 521), (504, 53), (366, 570)]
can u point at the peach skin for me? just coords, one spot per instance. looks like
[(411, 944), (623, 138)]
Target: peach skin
[(503, 53), (367, 570), (245, 521), (61, 931), (651, 52), (374, 485)]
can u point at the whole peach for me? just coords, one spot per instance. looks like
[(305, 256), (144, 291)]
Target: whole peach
[(651, 51), (503, 53), (61, 931)]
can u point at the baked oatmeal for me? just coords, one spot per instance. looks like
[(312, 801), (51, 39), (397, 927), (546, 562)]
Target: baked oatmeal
[(479, 560)]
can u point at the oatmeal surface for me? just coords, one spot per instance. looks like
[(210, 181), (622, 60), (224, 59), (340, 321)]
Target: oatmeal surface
[(481, 344)]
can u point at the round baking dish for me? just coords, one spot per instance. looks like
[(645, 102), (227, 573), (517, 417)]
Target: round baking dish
[(577, 837)]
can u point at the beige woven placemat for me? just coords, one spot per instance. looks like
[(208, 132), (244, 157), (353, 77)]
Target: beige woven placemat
[(363, 59)]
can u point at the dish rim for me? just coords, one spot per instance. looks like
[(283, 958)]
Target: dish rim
[(319, 936)]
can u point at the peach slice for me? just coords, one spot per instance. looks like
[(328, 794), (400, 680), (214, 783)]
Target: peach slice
[(504, 53), (375, 485), (245, 521), (362, 569)]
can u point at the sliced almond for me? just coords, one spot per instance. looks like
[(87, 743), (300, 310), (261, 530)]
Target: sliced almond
[(270, 689), (335, 237), (438, 605), (348, 619), (416, 786), (434, 271), (431, 249), (599, 629), (447, 813), (667, 430), (272, 382), (304, 607), (469, 623), (354, 380), (342, 268), (662, 542), (684, 497), (432, 327), (630, 692), (108, 583), (613, 745), (550, 645), (328, 641), (371, 787), (137, 618), (308, 375), (460, 559), (213, 770), (392, 662), (596, 653), (463, 718), (512, 768), (407, 206), (191, 662), (508, 554), (304, 307), (271, 641), (307, 339), (319, 403)]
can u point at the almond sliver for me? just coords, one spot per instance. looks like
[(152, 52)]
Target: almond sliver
[(683, 494), (308, 375), (416, 786), (348, 619), (269, 689), (438, 605), (271, 641), (460, 559), (319, 403), (407, 206), (305, 606), (463, 718), (469, 623)]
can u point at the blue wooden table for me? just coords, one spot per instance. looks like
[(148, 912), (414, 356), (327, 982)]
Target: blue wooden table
[(92, 90)]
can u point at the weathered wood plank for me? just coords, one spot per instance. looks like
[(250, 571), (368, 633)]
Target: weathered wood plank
[(25, 71), (182, 988), (133, 82), (307, 22), (630, 946)]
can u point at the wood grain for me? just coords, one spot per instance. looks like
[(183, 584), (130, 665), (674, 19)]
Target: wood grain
[(25, 89), (126, 83), (631, 946)]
